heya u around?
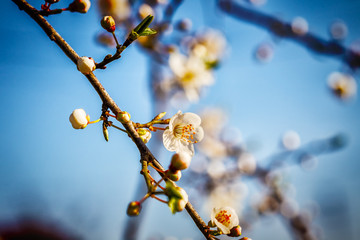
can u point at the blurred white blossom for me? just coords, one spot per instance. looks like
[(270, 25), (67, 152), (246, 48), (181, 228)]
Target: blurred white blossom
[(342, 85)]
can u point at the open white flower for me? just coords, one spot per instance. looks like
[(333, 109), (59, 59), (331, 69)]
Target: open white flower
[(86, 65), (190, 73), (225, 218), (184, 130), (79, 119)]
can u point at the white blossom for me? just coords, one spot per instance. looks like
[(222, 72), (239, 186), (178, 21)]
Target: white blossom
[(79, 119), (225, 218), (342, 85), (184, 130), (86, 65), (190, 73)]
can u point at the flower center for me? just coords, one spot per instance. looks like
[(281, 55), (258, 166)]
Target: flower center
[(223, 217), (185, 132), (188, 77)]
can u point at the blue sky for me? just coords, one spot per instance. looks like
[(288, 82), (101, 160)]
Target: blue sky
[(49, 170)]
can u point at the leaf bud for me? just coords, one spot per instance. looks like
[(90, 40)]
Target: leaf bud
[(81, 6), (123, 117), (178, 197), (160, 116), (108, 23), (134, 208), (105, 131)]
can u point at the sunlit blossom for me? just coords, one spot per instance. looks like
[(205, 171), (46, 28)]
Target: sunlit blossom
[(342, 85), (190, 73), (79, 119), (225, 218), (184, 130)]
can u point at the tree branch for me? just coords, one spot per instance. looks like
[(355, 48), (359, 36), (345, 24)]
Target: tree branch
[(107, 100), (284, 30)]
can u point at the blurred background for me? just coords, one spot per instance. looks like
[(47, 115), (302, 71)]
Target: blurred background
[(282, 136)]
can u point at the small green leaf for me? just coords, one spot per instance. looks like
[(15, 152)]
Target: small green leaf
[(143, 25), (148, 32)]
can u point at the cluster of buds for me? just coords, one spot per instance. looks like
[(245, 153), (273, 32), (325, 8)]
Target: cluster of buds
[(179, 161)]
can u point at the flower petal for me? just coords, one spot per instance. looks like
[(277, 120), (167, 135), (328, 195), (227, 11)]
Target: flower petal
[(199, 134), (174, 120), (186, 147), (191, 118), (170, 141)]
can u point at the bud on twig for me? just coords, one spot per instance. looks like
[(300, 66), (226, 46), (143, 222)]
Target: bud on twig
[(180, 161), (105, 131), (108, 23), (79, 119), (134, 208), (235, 231), (174, 176), (123, 117), (81, 6), (86, 65), (144, 134)]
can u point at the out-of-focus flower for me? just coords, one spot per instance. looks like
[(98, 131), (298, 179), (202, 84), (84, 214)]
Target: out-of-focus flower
[(145, 10), (180, 161), (106, 39), (79, 119), (209, 46), (299, 26), (108, 23), (184, 130), (342, 85), (264, 52), (338, 30), (184, 24), (291, 140), (247, 163), (225, 218), (190, 73), (81, 6), (86, 65), (118, 9)]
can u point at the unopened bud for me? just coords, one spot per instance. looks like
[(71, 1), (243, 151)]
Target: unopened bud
[(108, 23), (105, 131), (81, 6), (134, 208), (144, 134), (180, 161), (123, 117), (235, 231), (86, 65), (174, 176), (79, 119)]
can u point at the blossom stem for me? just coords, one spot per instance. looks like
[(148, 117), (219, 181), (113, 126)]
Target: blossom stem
[(159, 199), (108, 114), (159, 170), (117, 43), (157, 128), (98, 120)]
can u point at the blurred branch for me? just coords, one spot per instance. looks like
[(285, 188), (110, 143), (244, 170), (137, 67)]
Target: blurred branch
[(284, 30), (145, 153)]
